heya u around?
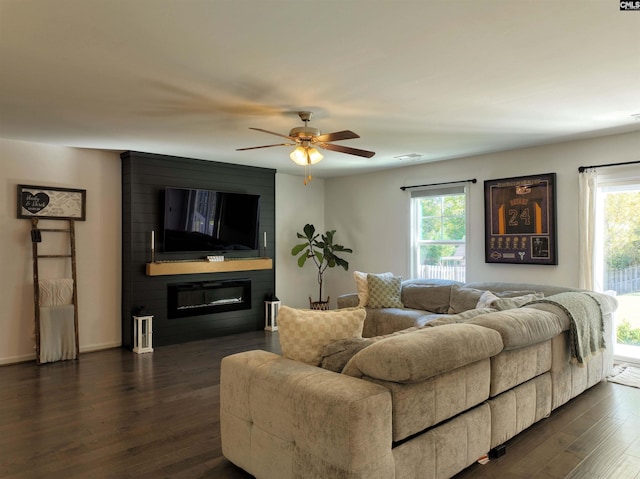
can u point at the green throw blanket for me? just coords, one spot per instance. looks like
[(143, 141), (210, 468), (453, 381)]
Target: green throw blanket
[(586, 332)]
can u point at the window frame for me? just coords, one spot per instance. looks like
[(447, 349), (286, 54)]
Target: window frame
[(415, 242)]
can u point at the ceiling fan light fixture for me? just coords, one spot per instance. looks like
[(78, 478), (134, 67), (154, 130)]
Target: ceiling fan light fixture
[(305, 136), (304, 155)]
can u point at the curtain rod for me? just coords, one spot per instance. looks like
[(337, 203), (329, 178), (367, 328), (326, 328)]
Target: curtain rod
[(582, 168), (473, 180)]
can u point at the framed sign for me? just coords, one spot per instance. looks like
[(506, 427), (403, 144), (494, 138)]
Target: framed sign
[(51, 203), (520, 220)]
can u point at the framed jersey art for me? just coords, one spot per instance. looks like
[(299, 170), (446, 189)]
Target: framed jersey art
[(520, 220)]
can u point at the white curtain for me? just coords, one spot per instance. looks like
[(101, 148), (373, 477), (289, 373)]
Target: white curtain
[(586, 227)]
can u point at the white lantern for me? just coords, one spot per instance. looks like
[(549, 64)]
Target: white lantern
[(270, 314), (142, 334)]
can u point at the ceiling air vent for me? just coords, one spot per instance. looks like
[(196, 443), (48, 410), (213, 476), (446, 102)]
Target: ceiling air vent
[(408, 157)]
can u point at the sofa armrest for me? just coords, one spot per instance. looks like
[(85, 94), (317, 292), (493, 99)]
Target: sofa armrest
[(282, 419), (349, 300)]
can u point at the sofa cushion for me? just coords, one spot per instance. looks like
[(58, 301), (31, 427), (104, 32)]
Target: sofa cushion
[(428, 297), (420, 405), (304, 333), (362, 286), (521, 327), (384, 291), (445, 450), (520, 407), (424, 353), (516, 366)]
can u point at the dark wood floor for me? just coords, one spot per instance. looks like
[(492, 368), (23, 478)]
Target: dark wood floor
[(115, 414)]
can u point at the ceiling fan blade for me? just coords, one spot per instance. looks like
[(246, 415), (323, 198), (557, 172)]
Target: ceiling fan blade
[(272, 133), (265, 146), (338, 135), (347, 150)]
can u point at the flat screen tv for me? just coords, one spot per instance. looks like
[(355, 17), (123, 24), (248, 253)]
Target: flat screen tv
[(197, 220)]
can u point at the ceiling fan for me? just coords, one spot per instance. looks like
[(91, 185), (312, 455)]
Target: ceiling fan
[(306, 138)]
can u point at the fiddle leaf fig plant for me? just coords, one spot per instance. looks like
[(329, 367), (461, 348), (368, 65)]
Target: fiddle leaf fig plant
[(322, 250)]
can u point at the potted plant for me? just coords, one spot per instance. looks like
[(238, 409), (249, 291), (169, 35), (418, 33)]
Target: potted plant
[(323, 251)]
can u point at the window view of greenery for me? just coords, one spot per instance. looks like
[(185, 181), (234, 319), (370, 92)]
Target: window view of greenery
[(440, 236), (622, 261)]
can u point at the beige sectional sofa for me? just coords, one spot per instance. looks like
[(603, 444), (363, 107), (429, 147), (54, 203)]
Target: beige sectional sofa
[(424, 398)]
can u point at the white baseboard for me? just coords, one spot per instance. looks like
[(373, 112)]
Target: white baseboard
[(17, 359), (83, 349), (99, 347)]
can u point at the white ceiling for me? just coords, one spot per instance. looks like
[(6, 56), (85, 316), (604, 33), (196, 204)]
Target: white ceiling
[(437, 78)]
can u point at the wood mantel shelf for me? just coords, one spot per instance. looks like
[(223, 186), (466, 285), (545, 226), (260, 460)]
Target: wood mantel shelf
[(197, 267)]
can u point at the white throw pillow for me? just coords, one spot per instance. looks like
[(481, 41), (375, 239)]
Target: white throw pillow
[(486, 299), (304, 333)]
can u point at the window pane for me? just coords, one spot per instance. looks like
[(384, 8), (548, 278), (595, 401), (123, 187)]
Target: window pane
[(431, 229), (453, 205), (430, 206), (432, 254), (454, 229), (442, 218), (441, 261)]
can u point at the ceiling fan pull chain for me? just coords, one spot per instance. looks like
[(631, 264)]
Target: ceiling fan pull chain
[(307, 169)]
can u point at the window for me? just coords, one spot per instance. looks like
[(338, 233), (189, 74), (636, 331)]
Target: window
[(618, 258), (438, 232)]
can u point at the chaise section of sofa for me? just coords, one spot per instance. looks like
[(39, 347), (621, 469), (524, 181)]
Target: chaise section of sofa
[(283, 419)]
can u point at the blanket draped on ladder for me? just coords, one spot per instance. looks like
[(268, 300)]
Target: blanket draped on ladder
[(57, 322)]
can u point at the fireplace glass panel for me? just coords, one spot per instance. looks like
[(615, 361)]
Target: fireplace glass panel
[(208, 297)]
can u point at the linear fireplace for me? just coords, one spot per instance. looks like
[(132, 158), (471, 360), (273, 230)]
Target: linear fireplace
[(207, 297)]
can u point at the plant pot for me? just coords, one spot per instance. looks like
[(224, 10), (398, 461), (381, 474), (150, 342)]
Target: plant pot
[(319, 305)]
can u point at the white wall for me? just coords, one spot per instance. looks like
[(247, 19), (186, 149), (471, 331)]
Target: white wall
[(98, 244), (296, 205), (371, 212)]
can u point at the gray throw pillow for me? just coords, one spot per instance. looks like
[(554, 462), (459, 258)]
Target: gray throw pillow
[(463, 299), (426, 297), (337, 354)]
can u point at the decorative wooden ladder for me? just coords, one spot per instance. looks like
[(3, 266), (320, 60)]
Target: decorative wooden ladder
[(36, 237)]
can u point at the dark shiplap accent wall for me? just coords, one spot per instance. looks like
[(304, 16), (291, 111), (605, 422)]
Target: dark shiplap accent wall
[(144, 178)]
